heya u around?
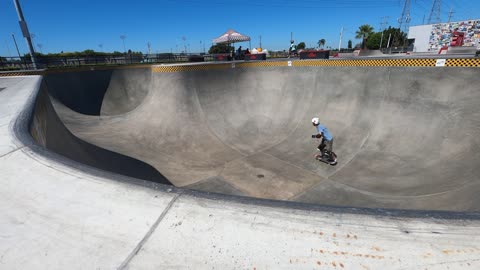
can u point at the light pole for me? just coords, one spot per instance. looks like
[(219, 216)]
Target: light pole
[(184, 44), (381, 41), (33, 36), (26, 34), (123, 37), (8, 48), (18, 51), (340, 42), (201, 47)]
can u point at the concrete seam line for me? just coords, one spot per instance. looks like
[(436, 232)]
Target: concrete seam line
[(148, 234), (13, 151)]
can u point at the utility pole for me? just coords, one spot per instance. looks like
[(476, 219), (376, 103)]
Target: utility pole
[(25, 32), (381, 41), (185, 45), (450, 14), (383, 24), (123, 37), (340, 43), (8, 48), (18, 51)]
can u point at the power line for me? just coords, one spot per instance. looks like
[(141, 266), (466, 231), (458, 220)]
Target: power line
[(450, 14), (384, 23), (435, 12), (405, 17)]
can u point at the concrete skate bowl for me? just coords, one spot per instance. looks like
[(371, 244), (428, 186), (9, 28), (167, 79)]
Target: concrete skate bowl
[(406, 137)]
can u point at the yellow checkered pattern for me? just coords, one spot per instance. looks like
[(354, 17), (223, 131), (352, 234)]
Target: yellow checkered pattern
[(465, 62), (212, 66), (367, 63), (473, 62), (179, 68), (21, 73), (263, 64)]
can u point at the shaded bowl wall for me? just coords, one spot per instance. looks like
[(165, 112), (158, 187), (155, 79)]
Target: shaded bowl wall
[(79, 93)]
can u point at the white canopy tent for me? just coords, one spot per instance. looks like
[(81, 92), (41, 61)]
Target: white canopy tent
[(231, 36)]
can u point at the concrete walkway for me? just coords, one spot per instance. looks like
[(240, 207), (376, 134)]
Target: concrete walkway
[(60, 215)]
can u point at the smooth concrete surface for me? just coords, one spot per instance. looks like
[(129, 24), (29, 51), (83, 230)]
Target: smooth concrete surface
[(370, 53), (58, 215), (406, 137), (462, 50), (233, 236), (12, 98)]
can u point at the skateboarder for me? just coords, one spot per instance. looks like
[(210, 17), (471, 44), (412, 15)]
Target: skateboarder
[(324, 134), (292, 51)]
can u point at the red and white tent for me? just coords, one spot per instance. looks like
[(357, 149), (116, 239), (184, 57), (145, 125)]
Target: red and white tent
[(231, 36)]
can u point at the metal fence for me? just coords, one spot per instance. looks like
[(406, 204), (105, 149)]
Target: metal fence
[(25, 63)]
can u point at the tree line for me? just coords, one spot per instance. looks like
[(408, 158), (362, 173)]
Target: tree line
[(85, 53), (392, 37)]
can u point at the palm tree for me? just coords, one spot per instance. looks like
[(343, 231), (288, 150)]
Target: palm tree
[(363, 32), (321, 42)]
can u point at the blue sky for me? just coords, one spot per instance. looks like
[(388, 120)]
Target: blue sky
[(172, 26)]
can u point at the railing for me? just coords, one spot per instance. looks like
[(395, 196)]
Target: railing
[(25, 63)]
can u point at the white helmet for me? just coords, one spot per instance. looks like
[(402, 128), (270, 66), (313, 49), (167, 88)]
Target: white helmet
[(315, 120)]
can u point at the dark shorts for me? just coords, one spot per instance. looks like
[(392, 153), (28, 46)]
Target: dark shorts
[(326, 145)]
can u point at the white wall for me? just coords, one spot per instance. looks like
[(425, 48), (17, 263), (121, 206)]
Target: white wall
[(421, 34), (432, 37)]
